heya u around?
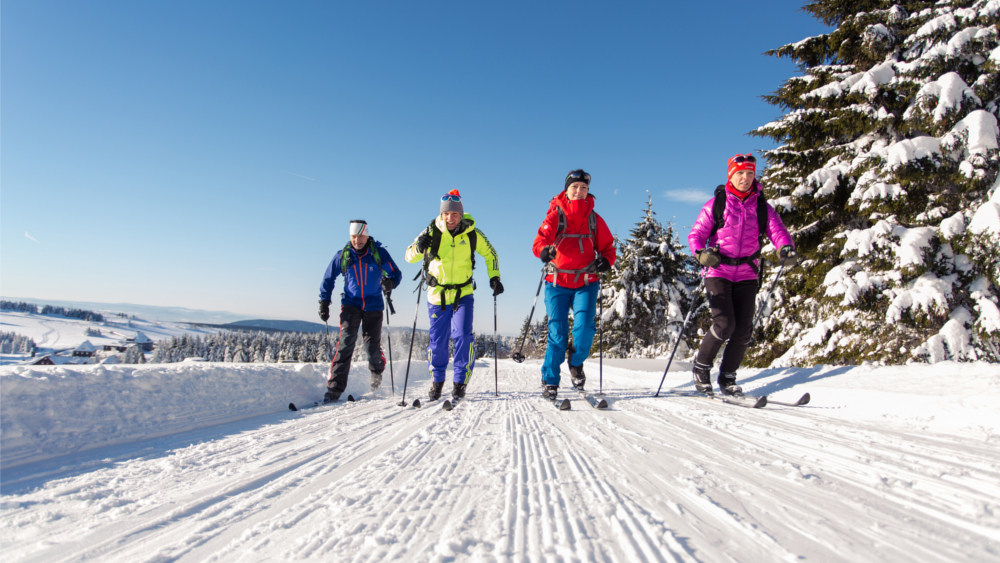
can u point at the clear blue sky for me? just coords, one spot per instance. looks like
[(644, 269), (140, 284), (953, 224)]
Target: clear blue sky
[(209, 155)]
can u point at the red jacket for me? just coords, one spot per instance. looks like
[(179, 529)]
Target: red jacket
[(574, 253)]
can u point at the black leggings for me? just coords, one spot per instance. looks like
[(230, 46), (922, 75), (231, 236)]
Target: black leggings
[(732, 305), (370, 322)]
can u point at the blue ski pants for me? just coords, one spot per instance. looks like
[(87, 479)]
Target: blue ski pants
[(558, 301), (452, 324)]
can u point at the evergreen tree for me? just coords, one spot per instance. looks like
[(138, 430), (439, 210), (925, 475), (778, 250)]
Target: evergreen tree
[(886, 165)]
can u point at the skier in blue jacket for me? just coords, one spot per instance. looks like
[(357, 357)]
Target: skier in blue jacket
[(368, 270)]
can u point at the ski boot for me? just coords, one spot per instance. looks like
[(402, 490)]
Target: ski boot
[(577, 376), (435, 392), (458, 390), (550, 392), (701, 377), (376, 381), (331, 396), (728, 386)]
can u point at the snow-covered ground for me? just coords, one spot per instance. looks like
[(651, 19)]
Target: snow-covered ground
[(202, 462), (58, 333)]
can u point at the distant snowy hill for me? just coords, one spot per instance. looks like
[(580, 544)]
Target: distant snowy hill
[(294, 326), (170, 314)]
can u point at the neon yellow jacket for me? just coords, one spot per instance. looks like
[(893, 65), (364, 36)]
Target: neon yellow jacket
[(453, 264)]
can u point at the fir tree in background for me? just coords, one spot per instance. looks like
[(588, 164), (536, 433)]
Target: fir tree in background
[(886, 175), (647, 292)]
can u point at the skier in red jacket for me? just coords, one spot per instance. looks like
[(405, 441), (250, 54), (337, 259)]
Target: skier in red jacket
[(575, 244)]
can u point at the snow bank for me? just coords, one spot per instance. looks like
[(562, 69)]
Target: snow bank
[(50, 411)]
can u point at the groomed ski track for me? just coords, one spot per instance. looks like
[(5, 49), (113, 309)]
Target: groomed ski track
[(510, 478)]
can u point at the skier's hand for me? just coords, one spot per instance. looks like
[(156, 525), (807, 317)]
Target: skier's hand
[(602, 264), (548, 254), (424, 241), (324, 310), (789, 258), (709, 257), (388, 285), (496, 286)]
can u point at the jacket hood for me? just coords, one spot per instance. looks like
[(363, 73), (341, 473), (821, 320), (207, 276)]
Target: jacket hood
[(571, 207)]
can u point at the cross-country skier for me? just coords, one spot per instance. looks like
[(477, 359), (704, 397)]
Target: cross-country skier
[(730, 258), (368, 270), (576, 244), (448, 246)]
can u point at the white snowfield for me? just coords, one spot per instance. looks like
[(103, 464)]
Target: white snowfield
[(203, 462)]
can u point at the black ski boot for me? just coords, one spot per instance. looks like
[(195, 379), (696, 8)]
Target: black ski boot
[(376, 381), (435, 392), (701, 377), (728, 386), (550, 392), (331, 396), (458, 390), (577, 376)]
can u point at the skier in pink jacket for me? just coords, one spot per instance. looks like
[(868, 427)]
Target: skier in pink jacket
[(730, 255)]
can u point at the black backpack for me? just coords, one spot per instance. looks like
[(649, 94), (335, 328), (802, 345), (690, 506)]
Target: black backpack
[(718, 220)]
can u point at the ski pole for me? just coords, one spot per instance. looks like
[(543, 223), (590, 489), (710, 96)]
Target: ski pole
[(679, 336), (388, 326), (600, 360), (409, 356), (766, 299), (496, 375), (519, 357)]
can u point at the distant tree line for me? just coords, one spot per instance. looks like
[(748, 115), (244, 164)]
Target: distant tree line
[(22, 307), (18, 307), (13, 343)]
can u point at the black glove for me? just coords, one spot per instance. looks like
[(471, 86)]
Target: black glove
[(548, 254), (424, 241), (709, 257), (324, 310), (496, 286), (602, 264), (388, 285), (789, 258)]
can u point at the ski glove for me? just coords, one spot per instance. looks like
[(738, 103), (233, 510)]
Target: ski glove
[(424, 241), (602, 264), (496, 286), (548, 254), (789, 258), (709, 257), (324, 310), (388, 285)]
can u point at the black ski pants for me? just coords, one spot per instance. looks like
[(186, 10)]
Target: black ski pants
[(370, 323), (732, 305)]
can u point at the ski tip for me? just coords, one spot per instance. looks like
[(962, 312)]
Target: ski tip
[(603, 404), (761, 402), (291, 407), (350, 398), (804, 400), (564, 405), (446, 406), (416, 403)]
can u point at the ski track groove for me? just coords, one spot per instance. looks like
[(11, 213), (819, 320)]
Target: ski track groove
[(511, 478)]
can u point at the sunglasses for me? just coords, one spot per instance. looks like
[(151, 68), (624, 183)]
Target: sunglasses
[(741, 159), (579, 175), (449, 197)]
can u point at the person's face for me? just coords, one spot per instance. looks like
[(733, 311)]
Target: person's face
[(452, 219), (577, 190), (742, 179), (359, 241)]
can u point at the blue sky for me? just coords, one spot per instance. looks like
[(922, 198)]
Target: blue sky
[(209, 155)]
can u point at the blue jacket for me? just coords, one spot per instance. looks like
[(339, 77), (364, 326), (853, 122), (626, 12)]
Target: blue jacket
[(363, 280)]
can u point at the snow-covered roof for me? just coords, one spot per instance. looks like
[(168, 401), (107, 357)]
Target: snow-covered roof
[(112, 359), (141, 338), (86, 346)]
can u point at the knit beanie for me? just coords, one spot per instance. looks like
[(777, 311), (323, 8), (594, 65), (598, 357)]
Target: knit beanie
[(746, 162), (452, 201)]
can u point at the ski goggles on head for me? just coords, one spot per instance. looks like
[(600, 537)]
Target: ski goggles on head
[(578, 175), (359, 228), (744, 158), (450, 197)]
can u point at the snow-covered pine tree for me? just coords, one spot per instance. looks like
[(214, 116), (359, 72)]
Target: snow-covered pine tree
[(647, 292), (887, 164)]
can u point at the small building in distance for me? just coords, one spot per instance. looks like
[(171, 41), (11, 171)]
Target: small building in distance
[(84, 350)]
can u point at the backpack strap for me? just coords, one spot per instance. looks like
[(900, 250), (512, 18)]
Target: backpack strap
[(591, 224), (345, 259), (718, 210)]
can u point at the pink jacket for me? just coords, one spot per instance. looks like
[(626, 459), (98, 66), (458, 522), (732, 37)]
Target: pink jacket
[(738, 237)]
